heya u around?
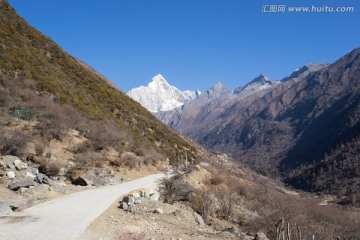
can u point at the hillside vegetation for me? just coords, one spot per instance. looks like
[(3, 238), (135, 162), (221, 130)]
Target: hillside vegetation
[(48, 92)]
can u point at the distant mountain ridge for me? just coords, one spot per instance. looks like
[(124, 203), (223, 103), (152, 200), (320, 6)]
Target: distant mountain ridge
[(259, 83), (159, 95), (304, 127)]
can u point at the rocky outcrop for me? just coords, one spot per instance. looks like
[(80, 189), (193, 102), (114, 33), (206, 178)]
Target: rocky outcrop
[(20, 183), (130, 201)]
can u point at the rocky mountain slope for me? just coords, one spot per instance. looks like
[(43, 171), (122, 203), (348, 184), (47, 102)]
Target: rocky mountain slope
[(63, 124), (196, 117), (159, 95), (259, 83), (45, 93), (299, 125), (304, 127)]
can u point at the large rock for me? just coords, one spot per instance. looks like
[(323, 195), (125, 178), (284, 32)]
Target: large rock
[(80, 181), (21, 183), (96, 177), (129, 200), (20, 165), (199, 219), (10, 175), (4, 209), (2, 173), (124, 206)]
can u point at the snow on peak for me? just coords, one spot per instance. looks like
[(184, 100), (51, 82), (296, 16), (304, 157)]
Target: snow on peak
[(259, 83), (159, 95)]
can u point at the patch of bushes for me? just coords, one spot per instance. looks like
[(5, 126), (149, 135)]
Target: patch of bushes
[(13, 142), (174, 188), (46, 166)]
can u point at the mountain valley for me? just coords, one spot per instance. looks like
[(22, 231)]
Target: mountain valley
[(71, 142), (292, 128)]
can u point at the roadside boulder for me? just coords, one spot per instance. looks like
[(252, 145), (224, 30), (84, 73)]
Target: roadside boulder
[(20, 165), (4, 209), (129, 200), (79, 181), (124, 206), (94, 180), (199, 219), (21, 183), (95, 177)]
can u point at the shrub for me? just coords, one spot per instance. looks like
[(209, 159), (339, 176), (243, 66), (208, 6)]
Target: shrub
[(47, 166), (203, 203), (174, 189), (13, 142), (226, 200), (87, 159)]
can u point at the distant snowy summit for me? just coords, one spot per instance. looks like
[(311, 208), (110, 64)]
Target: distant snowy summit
[(259, 83), (159, 95)]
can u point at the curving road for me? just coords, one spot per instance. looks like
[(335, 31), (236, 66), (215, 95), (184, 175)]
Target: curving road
[(66, 218)]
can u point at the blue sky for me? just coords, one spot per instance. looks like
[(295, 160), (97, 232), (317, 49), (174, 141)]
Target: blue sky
[(194, 43)]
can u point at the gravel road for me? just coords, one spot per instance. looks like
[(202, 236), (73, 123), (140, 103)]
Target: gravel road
[(66, 218)]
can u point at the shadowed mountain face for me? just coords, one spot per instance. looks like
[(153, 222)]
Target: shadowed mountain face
[(291, 110), (26, 56), (298, 127)]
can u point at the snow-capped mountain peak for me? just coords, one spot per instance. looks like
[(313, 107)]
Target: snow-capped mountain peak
[(159, 95), (259, 83), (159, 83)]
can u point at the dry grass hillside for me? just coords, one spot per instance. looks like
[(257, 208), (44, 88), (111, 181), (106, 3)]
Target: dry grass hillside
[(47, 92)]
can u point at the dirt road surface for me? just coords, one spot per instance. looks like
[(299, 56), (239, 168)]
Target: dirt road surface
[(66, 218)]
